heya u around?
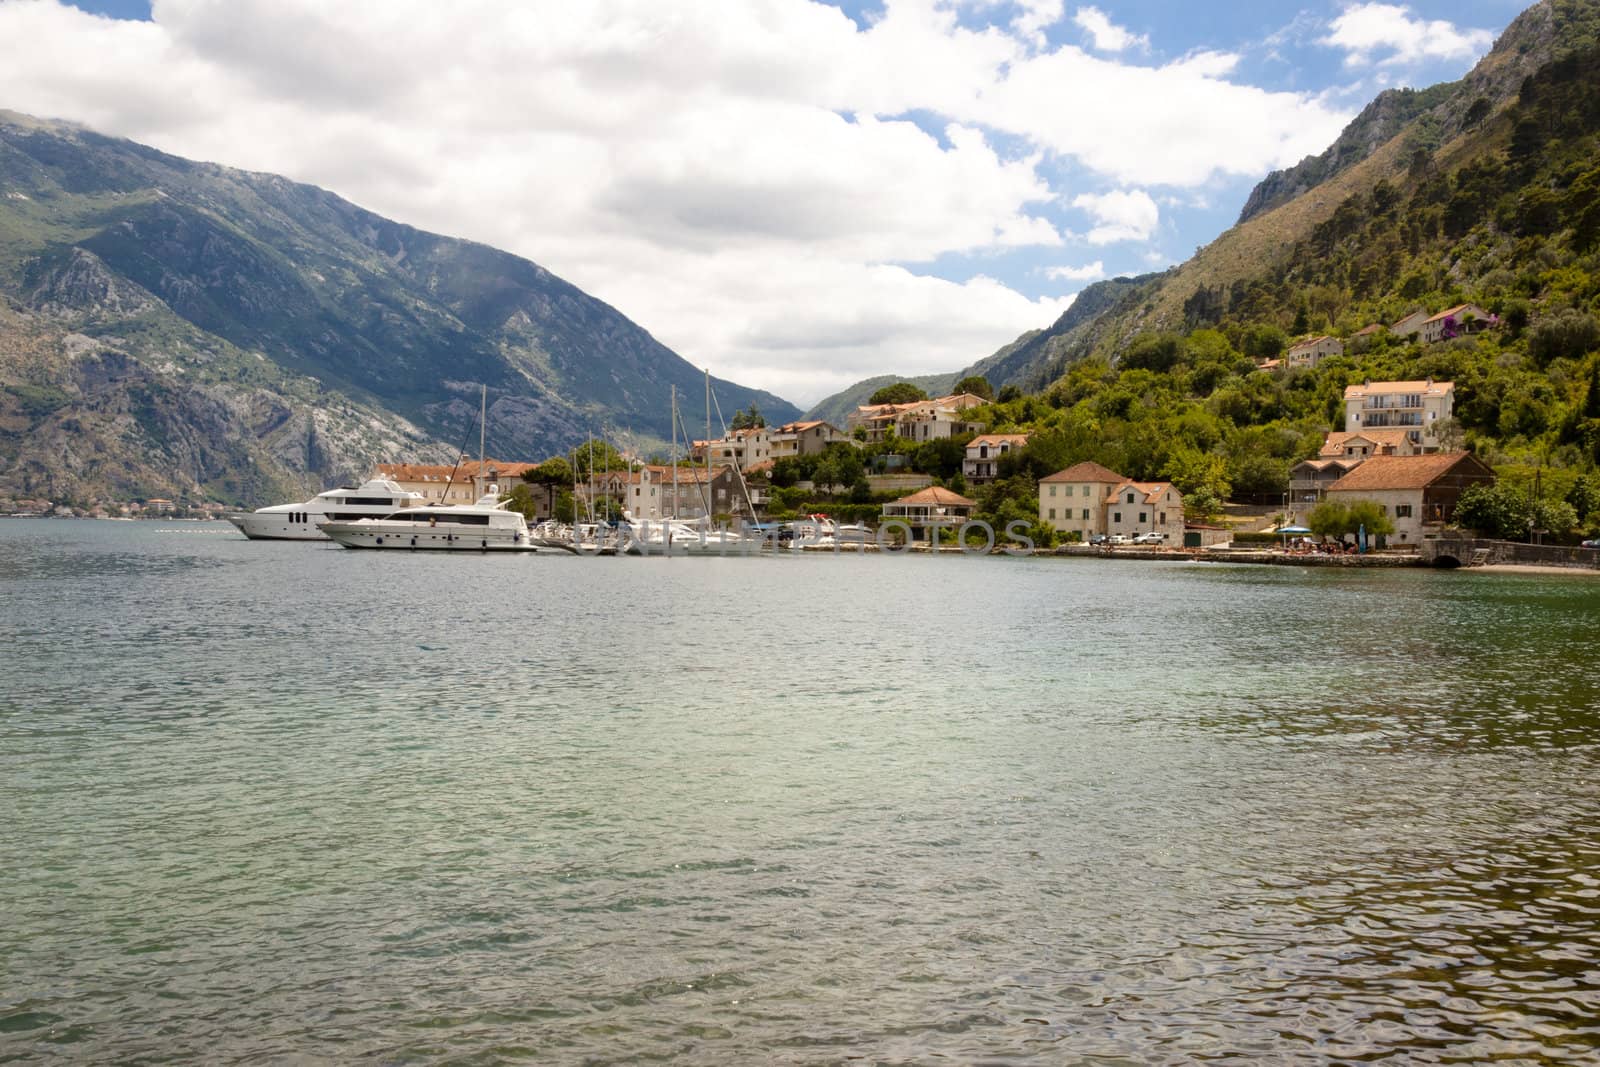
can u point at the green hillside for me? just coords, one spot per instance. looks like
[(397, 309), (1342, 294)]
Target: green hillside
[(1504, 213)]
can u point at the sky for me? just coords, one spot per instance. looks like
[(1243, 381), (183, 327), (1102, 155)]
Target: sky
[(792, 193)]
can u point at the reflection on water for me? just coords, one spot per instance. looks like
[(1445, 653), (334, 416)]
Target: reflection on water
[(288, 802)]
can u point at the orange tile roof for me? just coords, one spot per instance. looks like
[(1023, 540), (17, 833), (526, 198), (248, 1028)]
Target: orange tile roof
[(440, 472), (999, 439), (1447, 312), (1409, 472), (1333, 444), (1086, 471), (1375, 388)]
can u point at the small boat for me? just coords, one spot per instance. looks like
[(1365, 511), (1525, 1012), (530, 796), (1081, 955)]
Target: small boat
[(486, 526), (672, 537), (299, 522)]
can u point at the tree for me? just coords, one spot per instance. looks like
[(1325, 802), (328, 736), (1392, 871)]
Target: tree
[(898, 393), (523, 500), (1494, 510), (1585, 496), (1009, 393), (596, 456), (1336, 519), (1568, 334), (1369, 514), (748, 420), (1478, 110), (1329, 519), (977, 385)]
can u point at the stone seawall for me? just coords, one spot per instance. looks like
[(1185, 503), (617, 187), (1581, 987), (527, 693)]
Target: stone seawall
[(1472, 551)]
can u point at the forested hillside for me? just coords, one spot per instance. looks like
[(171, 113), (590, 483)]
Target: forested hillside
[(1505, 215)]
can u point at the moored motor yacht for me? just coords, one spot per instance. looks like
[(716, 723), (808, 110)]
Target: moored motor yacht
[(486, 526), (299, 522)]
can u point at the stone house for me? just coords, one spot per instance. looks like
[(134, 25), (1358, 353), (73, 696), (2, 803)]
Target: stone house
[(1310, 352), (1087, 499), (1416, 492)]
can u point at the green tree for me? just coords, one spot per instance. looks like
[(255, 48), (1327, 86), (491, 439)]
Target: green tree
[(1494, 511), (1585, 497), (596, 456), (898, 393), (1568, 334), (747, 420), (1553, 516), (523, 500), (977, 385), (1329, 519), (1370, 515)]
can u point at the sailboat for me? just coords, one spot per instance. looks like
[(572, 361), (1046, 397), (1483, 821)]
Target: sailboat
[(675, 536)]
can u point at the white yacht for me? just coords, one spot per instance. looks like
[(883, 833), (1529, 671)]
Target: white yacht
[(486, 526), (299, 522)]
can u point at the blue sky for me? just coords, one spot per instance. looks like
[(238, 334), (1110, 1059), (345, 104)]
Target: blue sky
[(794, 194)]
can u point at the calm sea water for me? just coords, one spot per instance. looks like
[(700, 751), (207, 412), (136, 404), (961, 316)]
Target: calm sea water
[(290, 802)]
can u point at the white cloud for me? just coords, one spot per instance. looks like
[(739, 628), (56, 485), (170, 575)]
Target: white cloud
[(1086, 273), (1107, 35), (720, 172), (1120, 215), (1367, 32), (1034, 16)]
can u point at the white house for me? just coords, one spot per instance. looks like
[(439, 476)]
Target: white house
[(1456, 321), (1415, 407), (984, 451)]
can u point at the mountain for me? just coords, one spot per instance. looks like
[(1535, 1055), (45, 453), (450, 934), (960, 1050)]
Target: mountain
[(177, 328), (1403, 158)]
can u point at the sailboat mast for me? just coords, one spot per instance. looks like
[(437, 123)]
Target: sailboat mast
[(708, 448), (483, 413), (674, 453)]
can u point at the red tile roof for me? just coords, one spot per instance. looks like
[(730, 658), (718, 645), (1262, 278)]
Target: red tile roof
[(1087, 471), (1410, 472)]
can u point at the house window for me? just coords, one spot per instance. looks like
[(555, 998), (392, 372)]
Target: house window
[(1402, 511), (1130, 498), (1052, 490), (1116, 516), (1085, 514), (1141, 518), (1069, 490), (1163, 518), (1052, 513)]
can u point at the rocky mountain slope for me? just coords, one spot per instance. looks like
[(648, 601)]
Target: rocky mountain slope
[(185, 329)]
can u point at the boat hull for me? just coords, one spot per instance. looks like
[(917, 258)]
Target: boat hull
[(266, 526), (428, 538)]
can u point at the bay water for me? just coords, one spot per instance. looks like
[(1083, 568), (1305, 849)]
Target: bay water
[(288, 802)]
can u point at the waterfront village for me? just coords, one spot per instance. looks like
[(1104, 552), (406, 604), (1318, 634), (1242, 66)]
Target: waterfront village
[(1387, 453), (1388, 458)]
